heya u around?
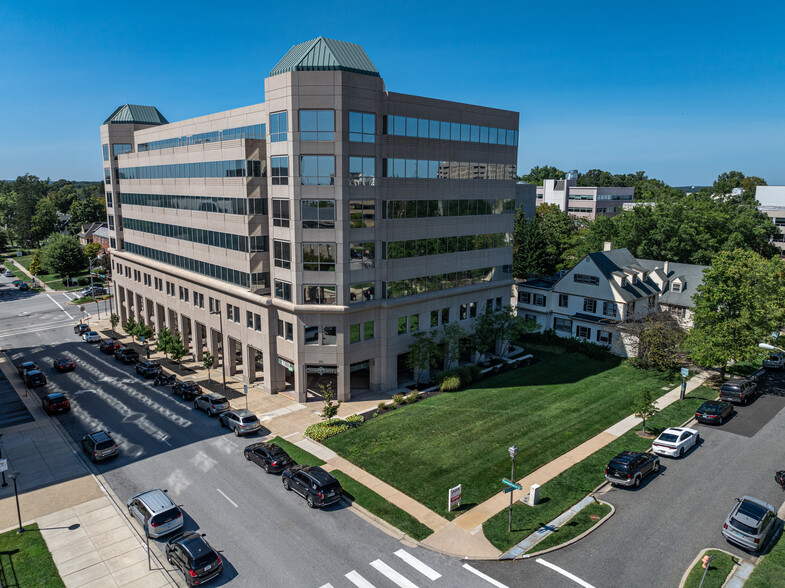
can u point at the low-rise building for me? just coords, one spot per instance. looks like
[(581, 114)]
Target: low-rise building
[(583, 201), (771, 200)]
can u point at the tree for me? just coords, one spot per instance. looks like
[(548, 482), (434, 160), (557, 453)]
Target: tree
[(25, 193), (164, 340), (330, 408), (208, 361), (143, 330), (35, 264), (130, 327), (452, 336), (3, 240), (44, 221), (63, 255), (498, 328), (423, 353), (528, 248), (114, 320), (739, 304), (177, 349), (86, 210), (540, 173), (91, 250), (645, 406), (656, 341), (556, 229)]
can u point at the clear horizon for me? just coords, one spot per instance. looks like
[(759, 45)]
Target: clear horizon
[(683, 92)]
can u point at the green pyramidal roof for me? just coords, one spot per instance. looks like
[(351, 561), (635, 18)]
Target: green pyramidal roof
[(322, 54), (136, 114)]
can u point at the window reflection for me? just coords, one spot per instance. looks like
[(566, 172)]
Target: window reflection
[(317, 170), (317, 125)]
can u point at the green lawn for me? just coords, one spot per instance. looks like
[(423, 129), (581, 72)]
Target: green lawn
[(25, 560), (301, 456), (580, 523), (719, 568), (462, 438), (569, 487), (770, 571), (381, 507)]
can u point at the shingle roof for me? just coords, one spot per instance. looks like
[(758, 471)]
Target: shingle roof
[(621, 261), (691, 275), (136, 114), (322, 54)]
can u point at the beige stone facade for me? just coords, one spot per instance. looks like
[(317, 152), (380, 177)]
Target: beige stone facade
[(424, 225)]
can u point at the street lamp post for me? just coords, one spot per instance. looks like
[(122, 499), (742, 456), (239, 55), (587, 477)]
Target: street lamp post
[(223, 351), (4, 484), (513, 451), (21, 529), (92, 289)]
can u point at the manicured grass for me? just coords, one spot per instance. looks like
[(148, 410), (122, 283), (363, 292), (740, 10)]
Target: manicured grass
[(569, 487), (719, 568), (17, 272), (770, 571), (462, 438), (301, 456), (580, 523), (25, 560), (382, 508)]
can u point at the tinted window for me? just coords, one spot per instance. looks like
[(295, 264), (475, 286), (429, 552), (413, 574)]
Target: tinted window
[(618, 465), (668, 437), (249, 419), (709, 408), (104, 444), (219, 400), (167, 516), (730, 388), (743, 528)]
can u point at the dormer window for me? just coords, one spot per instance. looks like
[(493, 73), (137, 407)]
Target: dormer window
[(676, 287), (635, 279), (624, 281)]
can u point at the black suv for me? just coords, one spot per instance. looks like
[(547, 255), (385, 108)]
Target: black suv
[(34, 378), (193, 556), (148, 369), (269, 456), (126, 355), (81, 329), (187, 390), (99, 446), (630, 467), (738, 390), (26, 366), (318, 487)]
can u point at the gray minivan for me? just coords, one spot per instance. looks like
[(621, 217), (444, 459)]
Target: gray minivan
[(156, 512)]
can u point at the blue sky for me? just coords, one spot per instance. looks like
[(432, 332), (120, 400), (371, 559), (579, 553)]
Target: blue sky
[(682, 90)]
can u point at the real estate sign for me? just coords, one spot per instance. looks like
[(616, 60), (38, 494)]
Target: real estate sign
[(454, 498)]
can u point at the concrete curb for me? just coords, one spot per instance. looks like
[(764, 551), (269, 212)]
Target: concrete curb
[(379, 523), (698, 558)]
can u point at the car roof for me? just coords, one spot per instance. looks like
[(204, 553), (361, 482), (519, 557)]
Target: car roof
[(196, 545), (55, 396), (156, 499), (627, 456), (243, 412), (32, 372), (64, 359), (26, 363), (320, 475), (712, 403), (755, 505), (214, 395), (99, 436)]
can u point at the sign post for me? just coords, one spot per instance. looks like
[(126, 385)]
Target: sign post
[(684, 373), (454, 498), (513, 451), (245, 391)]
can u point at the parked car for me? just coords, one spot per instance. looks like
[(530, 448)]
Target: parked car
[(317, 486), (775, 361), (156, 512), (8, 273), (187, 390), (34, 378), (64, 364), (272, 458), (750, 523), (193, 556), (25, 366), (242, 422), (675, 441), (630, 467), (81, 328), (212, 404), (93, 291), (714, 412), (148, 369), (99, 446), (738, 390), (109, 346), (91, 337), (126, 355), (24, 286), (55, 402), (17, 282)]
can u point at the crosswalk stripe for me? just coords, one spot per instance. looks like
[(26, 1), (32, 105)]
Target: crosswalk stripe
[(392, 574), (358, 580), (484, 577), (328, 585), (424, 569)]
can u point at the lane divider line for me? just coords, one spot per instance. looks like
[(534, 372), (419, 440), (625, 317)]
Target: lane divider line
[(60, 306), (488, 579), (564, 573), (232, 502)]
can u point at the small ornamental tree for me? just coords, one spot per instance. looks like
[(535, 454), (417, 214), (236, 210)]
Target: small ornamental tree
[(208, 360), (163, 341), (114, 320), (330, 408), (143, 330), (130, 327), (35, 264), (644, 406), (177, 349), (423, 353), (451, 338)]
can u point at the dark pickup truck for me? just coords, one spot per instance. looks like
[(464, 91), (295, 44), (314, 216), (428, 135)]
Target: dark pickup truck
[(738, 391)]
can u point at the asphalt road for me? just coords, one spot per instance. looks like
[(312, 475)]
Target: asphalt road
[(267, 536), (660, 528)]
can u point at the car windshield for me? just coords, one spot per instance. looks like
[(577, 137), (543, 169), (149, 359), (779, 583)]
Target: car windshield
[(709, 408), (166, 516), (219, 400), (247, 420), (730, 387), (618, 465), (668, 438), (56, 398), (104, 444), (774, 357), (191, 386)]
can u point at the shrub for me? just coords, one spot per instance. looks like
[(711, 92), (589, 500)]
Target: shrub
[(450, 384), (382, 405), (325, 429), (413, 397), (474, 372), (464, 375), (399, 399), (355, 420), (83, 281)]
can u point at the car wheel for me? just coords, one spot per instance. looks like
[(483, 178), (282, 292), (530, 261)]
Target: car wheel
[(221, 422), (196, 406), (209, 412), (657, 466), (637, 482), (266, 468), (309, 500), (286, 483), (697, 439), (681, 452), (236, 432), (247, 455), (719, 421)]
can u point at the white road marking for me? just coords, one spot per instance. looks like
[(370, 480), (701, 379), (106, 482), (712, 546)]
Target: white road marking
[(425, 570), (358, 580), (232, 502), (564, 573), (396, 578), (60, 307), (488, 579), (328, 585)]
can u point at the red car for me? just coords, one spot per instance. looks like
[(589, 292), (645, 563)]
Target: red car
[(64, 364), (109, 345), (56, 402)]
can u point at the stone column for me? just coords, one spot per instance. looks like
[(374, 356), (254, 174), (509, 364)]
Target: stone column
[(231, 357), (196, 340), (343, 383), (159, 317), (119, 297), (249, 367)]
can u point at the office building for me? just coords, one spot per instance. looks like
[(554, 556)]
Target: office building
[(308, 237), (583, 201)]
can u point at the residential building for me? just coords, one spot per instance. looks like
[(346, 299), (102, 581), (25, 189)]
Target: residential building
[(88, 230), (312, 235), (101, 236), (605, 289), (583, 201), (771, 201)]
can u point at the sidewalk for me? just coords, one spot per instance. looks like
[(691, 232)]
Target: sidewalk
[(91, 541)]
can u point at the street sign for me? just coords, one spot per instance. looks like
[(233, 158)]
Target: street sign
[(245, 389), (506, 490), (685, 372), (3, 465), (511, 484), (141, 338), (454, 498)]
